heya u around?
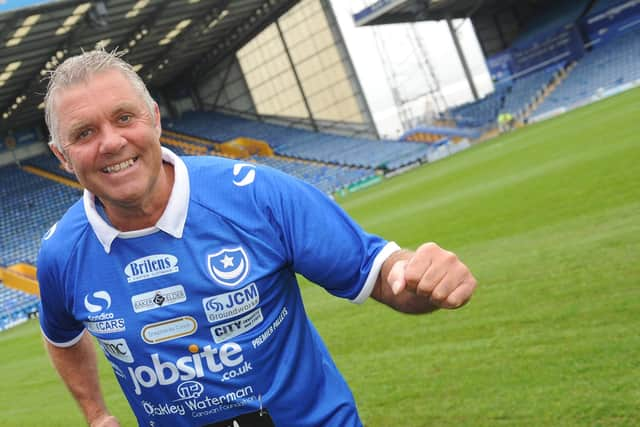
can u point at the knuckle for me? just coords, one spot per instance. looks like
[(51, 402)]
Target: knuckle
[(438, 296), (428, 247), (450, 257)]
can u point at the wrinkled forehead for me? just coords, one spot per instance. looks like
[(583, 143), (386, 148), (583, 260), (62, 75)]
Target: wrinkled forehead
[(97, 87)]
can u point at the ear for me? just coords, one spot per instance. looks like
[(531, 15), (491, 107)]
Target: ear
[(156, 115), (61, 156)]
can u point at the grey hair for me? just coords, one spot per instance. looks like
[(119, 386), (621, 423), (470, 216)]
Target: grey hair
[(78, 69)]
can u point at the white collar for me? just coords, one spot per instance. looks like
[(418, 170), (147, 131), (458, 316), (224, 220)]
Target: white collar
[(172, 220)]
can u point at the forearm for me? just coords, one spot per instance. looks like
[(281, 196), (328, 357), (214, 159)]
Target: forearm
[(77, 366)]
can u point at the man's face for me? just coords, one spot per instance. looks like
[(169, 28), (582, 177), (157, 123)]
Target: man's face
[(110, 139)]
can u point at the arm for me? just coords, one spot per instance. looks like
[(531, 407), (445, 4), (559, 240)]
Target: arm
[(78, 367), (424, 280)]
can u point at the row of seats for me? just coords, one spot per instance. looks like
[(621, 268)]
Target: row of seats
[(480, 113), (512, 97), (49, 163), (302, 144), (15, 306), (30, 205), (327, 178), (608, 65), (524, 90)]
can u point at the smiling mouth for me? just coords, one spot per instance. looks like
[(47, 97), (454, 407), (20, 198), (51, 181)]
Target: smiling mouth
[(120, 166)]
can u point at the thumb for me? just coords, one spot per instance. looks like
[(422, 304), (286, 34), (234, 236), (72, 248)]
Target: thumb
[(395, 278)]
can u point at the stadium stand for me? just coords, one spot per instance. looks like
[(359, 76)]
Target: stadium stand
[(328, 178), (435, 134), (603, 5), (481, 113), (526, 89), (303, 144), (550, 19), (15, 306), (49, 163), (30, 205), (514, 97), (608, 65)]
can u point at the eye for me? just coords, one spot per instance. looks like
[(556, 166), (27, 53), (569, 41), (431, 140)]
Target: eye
[(125, 118), (82, 134)]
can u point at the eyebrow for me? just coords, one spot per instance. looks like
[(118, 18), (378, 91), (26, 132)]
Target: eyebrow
[(118, 108)]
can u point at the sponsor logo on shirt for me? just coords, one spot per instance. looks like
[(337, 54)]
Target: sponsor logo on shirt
[(263, 337), (101, 321), (117, 348), (158, 298), (151, 266), (226, 360), (228, 266), (231, 304), (201, 404), (228, 330), (167, 330), (190, 390), (244, 173)]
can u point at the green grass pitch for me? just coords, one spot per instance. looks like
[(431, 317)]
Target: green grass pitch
[(548, 218)]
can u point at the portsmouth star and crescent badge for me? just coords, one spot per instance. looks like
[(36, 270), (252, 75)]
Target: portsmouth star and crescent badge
[(228, 267)]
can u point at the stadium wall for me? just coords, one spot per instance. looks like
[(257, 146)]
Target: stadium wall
[(297, 68)]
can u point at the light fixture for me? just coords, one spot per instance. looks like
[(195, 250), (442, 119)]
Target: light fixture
[(68, 23), (24, 29)]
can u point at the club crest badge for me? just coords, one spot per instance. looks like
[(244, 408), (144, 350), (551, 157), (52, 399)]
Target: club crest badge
[(228, 267)]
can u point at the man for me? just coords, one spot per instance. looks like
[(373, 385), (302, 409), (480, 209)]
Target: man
[(184, 270)]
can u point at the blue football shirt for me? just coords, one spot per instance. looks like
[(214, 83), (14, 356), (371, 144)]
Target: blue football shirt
[(201, 316)]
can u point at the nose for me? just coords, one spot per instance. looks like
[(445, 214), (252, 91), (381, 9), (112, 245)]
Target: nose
[(112, 140)]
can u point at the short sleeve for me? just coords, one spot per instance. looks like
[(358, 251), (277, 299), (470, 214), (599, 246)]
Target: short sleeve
[(322, 242), (56, 320)]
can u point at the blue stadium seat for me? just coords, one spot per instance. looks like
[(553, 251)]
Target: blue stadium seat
[(303, 144), (608, 65)]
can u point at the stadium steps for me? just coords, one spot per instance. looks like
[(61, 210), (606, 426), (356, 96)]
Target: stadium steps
[(548, 90), (48, 175), (185, 147), (190, 138)]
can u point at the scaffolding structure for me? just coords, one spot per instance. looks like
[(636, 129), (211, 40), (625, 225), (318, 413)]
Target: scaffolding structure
[(421, 107)]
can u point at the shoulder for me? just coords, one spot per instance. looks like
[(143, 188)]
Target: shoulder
[(63, 236), (220, 179)]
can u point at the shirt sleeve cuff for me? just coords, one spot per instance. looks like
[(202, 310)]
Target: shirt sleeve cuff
[(64, 344), (369, 284)]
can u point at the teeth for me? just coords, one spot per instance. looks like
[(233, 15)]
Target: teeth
[(118, 167)]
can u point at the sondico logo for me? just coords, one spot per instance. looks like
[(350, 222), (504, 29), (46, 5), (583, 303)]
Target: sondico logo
[(245, 174), (102, 301), (187, 368), (103, 322), (151, 266)]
